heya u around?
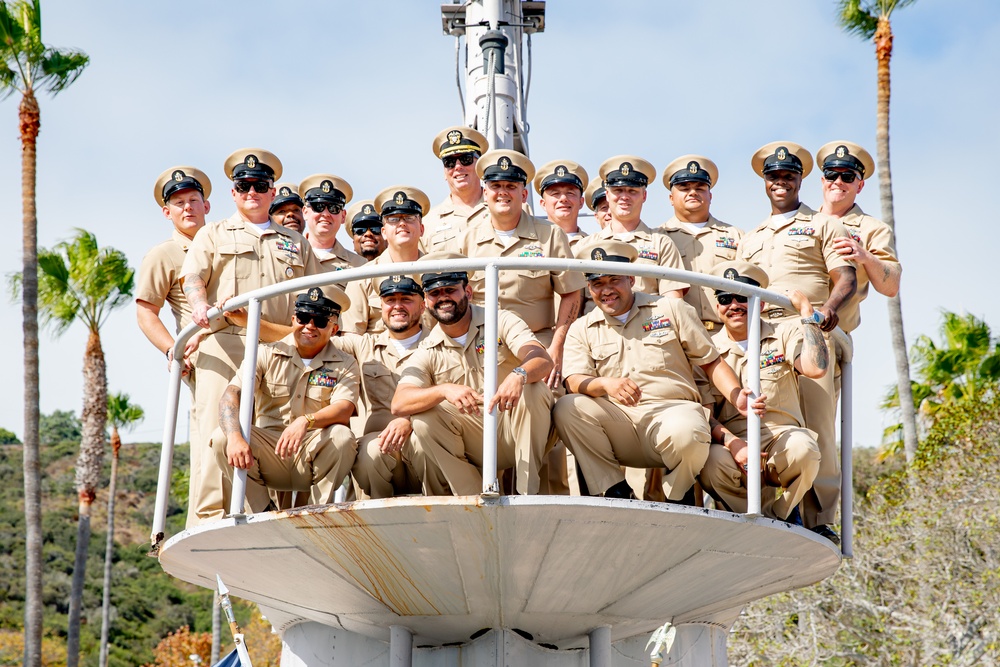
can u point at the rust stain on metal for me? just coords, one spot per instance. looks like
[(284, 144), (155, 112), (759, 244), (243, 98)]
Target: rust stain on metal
[(359, 551)]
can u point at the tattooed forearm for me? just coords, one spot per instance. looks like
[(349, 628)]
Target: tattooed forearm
[(815, 347), (229, 411), (194, 289)]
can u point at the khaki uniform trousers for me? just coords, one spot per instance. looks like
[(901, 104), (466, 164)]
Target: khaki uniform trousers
[(323, 461), (819, 409), (605, 436), (379, 475), (446, 446), (558, 473), (218, 360), (792, 464)]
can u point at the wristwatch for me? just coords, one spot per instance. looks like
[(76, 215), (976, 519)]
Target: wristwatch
[(816, 318), (523, 373)]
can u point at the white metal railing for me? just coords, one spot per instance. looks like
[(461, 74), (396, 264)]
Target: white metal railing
[(492, 266)]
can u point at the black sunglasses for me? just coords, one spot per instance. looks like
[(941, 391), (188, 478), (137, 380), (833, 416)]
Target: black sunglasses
[(466, 159), (846, 176), (319, 320), (319, 207), (359, 230), (244, 187), (726, 299)]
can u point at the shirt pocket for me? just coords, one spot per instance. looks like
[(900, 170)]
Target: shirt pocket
[(725, 254), (802, 245), (751, 250), (657, 348), (238, 260), (379, 384), (607, 359), (293, 261)]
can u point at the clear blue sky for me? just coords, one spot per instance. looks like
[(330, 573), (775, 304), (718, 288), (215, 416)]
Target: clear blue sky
[(359, 89)]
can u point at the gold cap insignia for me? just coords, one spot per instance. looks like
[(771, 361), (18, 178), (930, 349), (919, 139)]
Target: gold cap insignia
[(326, 186), (178, 175), (285, 191), (598, 254), (396, 279), (367, 209), (693, 167), (841, 151), (399, 198), (314, 294), (251, 161), (504, 163), (625, 168), (560, 171), (454, 137), (731, 274), (781, 153)]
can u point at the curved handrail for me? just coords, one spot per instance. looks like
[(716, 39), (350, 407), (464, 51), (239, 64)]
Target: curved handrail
[(491, 266)]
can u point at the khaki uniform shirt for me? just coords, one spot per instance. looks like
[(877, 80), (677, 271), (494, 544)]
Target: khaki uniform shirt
[(654, 248), (656, 347), (443, 223), (381, 363), (530, 294), (780, 346), (443, 360), (877, 238), (700, 251), (287, 389), (160, 278), (365, 313), (797, 253), (337, 258), (234, 257)]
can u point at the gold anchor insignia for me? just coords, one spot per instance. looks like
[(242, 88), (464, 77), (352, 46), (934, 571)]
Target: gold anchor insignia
[(314, 294), (251, 161), (504, 163), (285, 192), (178, 175), (598, 254), (367, 209), (781, 153), (625, 168), (326, 186), (560, 171), (841, 151), (454, 137), (396, 279), (399, 198), (693, 167), (731, 274)]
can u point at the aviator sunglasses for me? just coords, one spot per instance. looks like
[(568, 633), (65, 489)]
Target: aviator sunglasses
[(466, 160), (845, 176), (319, 207), (726, 299), (361, 230), (244, 187), (319, 320)]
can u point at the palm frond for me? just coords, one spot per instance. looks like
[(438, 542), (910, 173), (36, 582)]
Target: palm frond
[(857, 18), (122, 413)]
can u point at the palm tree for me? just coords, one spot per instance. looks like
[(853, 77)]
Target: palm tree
[(869, 19), (27, 65), (121, 415), (81, 281)]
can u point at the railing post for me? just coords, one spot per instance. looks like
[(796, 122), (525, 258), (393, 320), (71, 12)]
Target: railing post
[(400, 646), (167, 452), (490, 485), (237, 501), (846, 460), (600, 646), (753, 421)]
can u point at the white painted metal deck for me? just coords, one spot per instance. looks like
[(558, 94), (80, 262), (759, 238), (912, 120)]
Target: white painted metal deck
[(554, 567)]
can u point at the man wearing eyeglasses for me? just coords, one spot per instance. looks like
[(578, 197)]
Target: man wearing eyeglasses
[(366, 229), (400, 208), (796, 248), (305, 391), (242, 253), (286, 209), (702, 240), (789, 452), (458, 148), (325, 197)]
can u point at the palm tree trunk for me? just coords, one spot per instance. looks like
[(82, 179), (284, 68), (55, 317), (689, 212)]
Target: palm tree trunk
[(30, 123), (88, 472), (109, 549), (883, 55)]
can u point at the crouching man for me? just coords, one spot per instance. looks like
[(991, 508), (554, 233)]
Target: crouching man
[(306, 392), (629, 370), (789, 452), (441, 390)]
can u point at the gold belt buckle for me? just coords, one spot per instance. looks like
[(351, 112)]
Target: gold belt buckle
[(709, 325), (775, 313)]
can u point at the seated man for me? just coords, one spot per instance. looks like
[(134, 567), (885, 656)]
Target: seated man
[(632, 397), (380, 471), (306, 391), (790, 453), (441, 390)]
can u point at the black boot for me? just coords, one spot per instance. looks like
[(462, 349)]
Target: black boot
[(620, 490)]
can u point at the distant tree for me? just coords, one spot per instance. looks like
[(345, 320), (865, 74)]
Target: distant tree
[(59, 426), (176, 649), (8, 437), (122, 414), (79, 280), (27, 65)]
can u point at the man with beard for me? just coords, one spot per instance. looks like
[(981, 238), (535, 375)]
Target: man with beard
[(325, 197), (458, 148), (596, 198), (305, 391), (441, 390), (380, 470), (790, 455), (632, 399), (286, 209), (625, 179), (560, 185), (401, 209), (796, 248), (242, 253), (366, 229), (702, 240)]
